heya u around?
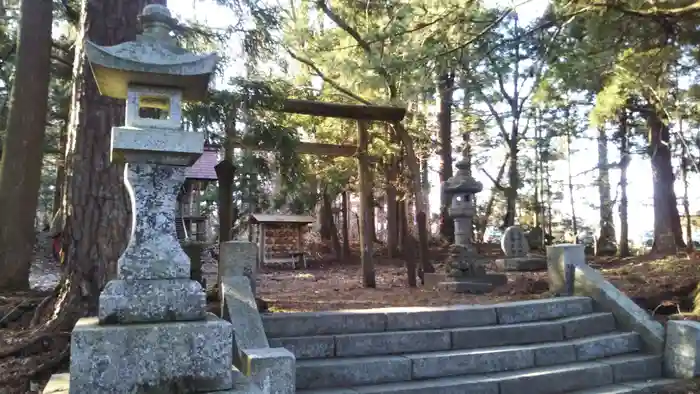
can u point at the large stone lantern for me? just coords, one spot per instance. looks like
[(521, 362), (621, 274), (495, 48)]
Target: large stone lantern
[(466, 270), (152, 333)]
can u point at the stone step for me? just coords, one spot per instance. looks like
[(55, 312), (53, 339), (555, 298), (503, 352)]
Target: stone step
[(402, 342), (586, 376), (357, 371), (60, 384), (299, 324), (639, 387)]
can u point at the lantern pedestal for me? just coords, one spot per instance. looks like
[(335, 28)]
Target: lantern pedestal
[(152, 333)]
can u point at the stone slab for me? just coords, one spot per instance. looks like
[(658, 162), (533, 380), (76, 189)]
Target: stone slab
[(554, 353), (634, 367), (653, 386), (153, 251), (156, 146), (527, 263), (427, 318), (587, 325), (384, 343), (274, 368), (456, 385), (298, 324), (543, 309), (155, 358), (60, 384), (466, 286), (433, 280), (238, 258), (503, 335), (682, 349), (348, 372), (144, 301), (307, 347), (589, 282), (240, 309), (554, 380), (607, 345), (472, 361)]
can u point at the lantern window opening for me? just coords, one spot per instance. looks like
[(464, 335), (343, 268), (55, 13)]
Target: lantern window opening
[(152, 106)]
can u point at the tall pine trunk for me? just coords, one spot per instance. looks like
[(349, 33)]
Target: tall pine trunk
[(605, 244), (445, 90), (668, 235), (20, 168), (623, 137), (96, 227)]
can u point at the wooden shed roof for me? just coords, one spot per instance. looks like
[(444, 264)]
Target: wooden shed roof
[(203, 169), (278, 218)]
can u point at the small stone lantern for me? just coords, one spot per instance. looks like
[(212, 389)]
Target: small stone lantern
[(152, 333), (466, 270), (462, 187)]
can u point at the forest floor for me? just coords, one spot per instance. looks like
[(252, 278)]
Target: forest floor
[(660, 284)]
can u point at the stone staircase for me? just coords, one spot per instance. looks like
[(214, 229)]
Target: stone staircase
[(550, 346)]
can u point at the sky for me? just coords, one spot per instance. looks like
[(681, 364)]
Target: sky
[(583, 159)]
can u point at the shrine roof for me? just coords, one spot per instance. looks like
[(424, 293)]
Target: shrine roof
[(203, 169), (279, 218)]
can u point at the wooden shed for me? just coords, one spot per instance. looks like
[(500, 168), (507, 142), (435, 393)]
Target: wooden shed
[(190, 221), (280, 238)]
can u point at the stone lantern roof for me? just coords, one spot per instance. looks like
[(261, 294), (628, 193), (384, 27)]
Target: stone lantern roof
[(462, 182), (153, 59)]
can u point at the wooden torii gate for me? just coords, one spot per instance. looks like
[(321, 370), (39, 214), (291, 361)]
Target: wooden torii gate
[(363, 114)]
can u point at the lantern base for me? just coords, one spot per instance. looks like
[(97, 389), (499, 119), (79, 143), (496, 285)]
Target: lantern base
[(143, 301), (173, 147)]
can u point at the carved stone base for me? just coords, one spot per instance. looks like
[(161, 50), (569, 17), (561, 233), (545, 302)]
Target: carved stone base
[(164, 358), (144, 301), (525, 263)]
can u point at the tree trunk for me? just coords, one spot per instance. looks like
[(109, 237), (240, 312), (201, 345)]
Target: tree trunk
[(685, 163), (97, 224), (60, 185), (346, 224), (667, 224), (411, 160), (605, 244), (572, 199), (325, 217), (511, 191), (446, 88), (20, 168), (484, 220), (392, 217), (624, 201)]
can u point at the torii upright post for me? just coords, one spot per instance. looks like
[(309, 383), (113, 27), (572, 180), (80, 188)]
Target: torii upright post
[(368, 276)]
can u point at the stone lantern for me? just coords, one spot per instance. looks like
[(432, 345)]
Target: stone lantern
[(462, 187), (152, 333), (466, 270)]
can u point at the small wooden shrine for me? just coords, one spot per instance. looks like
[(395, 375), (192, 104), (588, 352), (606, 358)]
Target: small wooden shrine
[(281, 238), (190, 220)]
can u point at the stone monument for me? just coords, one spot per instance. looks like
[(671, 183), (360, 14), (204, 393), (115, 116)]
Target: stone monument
[(152, 333), (516, 249), (466, 270)]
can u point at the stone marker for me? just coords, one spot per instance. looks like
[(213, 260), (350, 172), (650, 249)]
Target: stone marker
[(175, 346), (514, 242), (682, 349), (515, 246), (239, 258), (466, 270)]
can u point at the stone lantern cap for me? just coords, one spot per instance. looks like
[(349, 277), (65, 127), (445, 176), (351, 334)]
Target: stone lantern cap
[(153, 59), (462, 182)]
